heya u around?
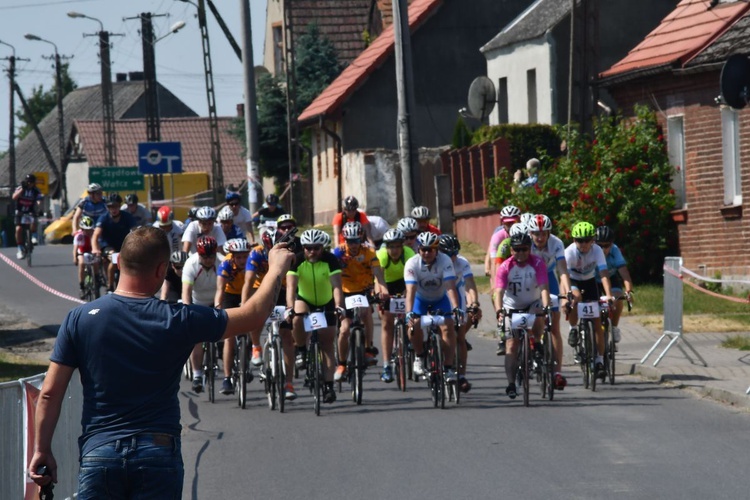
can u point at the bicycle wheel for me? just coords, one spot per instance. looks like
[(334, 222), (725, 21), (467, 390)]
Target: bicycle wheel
[(211, 371), (279, 370), (317, 368), (609, 353), (187, 369), (549, 366), (358, 364), (269, 384), (28, 244), (591, 344), (400, 356), (439, 368), (240, 357), (525, 347)]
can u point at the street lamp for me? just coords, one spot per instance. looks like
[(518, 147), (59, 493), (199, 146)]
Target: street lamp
[(108, 112), (60, 119), (174, 29)]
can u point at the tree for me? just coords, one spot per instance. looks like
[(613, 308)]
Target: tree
[(316, 65), (621, 178), (43, 101)]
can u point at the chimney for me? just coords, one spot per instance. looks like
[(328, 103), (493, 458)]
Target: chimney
[(136, 76), (241, 110), (121, 77)]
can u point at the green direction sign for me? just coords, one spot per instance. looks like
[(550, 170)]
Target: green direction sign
[(117, 178)]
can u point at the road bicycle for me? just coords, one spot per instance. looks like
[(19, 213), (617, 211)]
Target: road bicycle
[(28, 244), (273, 372), (610, 348), (210, 367), (356, 363), (435, 360), (587, 349), (548, 365), (315, 372), (402, 356), (521, 324), (241, 369), (91, 279)]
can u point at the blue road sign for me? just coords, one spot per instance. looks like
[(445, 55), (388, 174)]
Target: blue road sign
[(160, 157)]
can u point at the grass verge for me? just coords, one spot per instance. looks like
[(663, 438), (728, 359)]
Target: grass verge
[(737, 342), (13, 367)]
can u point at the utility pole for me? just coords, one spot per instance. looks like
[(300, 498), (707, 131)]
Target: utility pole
[(292, 126), (12, 131), (408, 154), (251, 109)]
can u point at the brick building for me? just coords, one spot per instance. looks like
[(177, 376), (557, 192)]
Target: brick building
[(676, 70)]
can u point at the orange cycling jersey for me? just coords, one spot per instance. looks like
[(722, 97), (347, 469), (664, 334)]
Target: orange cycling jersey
[(357, 270), (234, 276)]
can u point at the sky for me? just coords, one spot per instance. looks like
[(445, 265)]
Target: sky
[(179, 60)]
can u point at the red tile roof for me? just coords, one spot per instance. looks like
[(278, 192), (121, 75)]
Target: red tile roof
[(687, 30), (368, 61), (193, 133)]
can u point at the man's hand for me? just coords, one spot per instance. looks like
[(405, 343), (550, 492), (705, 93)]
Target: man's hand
[(279, 257), (412, 318), (37, 461)]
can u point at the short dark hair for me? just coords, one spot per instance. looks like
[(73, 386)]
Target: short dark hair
[(143, 250)]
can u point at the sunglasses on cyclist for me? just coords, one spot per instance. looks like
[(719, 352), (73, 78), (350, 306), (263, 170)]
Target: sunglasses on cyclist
[(314, 248), (234, 204), (520, 249), (427, 249), (605, 245), (394, 246), (354, 241), (412, 237), (286, 227), (584, 240)]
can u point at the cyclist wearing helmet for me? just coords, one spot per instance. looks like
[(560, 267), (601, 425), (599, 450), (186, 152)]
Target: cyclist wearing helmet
[(619, 275), (284, 224), (230, 229), (468, 297), (378, 227), (313, 284), (431, 285), (241, 215), (521, 286), (422, 215), (392, 256), (27, 197), (229, 283), (269, 212), (92, 205), (191, 215), (199, 287), (174, 228), (584, 258), (551, 250), (81, 246), (350, 213), (204, 225), (139, 211), (509, 215), (359, 268), (409, 227), (171, 290), (111, 230)]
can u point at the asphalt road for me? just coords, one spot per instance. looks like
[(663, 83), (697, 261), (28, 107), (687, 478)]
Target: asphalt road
[(634, 440)]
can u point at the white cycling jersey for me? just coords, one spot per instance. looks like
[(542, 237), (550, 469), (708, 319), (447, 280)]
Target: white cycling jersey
[(202, 279), (174, 235), (463, 270), (583, 266), (430, 280), (193, 230), (553, 252)]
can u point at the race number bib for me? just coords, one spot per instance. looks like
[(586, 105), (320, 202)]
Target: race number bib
[(520, 321), (398, 305), (588, 310), (354, 301), (27, 219), (554, 301), (428, 320), (276, 315), (115, 257), (315, 321), (89, 258)]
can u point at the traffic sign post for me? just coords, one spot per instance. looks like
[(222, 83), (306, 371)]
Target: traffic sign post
[(160, 158), (117, 178)]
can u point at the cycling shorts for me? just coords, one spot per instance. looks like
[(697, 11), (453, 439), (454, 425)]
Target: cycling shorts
[(554, 289), (397, 287), (422, 306), (329, 309), (231, 300), (589, 289), (615, 281), (17, 218), (350, 312)]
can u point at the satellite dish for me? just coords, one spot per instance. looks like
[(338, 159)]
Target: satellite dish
[(735, 81), (482, 97)]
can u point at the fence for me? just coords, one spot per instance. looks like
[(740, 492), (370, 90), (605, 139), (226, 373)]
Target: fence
[(12, 435)]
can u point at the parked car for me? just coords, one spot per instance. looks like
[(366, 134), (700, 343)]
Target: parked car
[(61, 230)]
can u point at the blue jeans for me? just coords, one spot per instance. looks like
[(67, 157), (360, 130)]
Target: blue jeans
[(141, 467)]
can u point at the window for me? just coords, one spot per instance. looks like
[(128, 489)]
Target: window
[(502, 100), (531, 93), (278, 51), (730, 149), (676, 150)]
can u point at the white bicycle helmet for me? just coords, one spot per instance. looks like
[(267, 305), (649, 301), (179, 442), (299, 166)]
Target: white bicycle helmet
[(86, 222), (539, 222), (236, 245), (517, 228), (328, 241), (393, 235), (407, 225), (94, 188), (428, 239), (225, 214), (205, 213), (509, 212), (352, 230), (525, 218), (420, 212), (314, 237)]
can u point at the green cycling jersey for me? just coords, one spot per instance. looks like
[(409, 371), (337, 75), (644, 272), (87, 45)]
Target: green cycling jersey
[(393, 270), (314, 278)]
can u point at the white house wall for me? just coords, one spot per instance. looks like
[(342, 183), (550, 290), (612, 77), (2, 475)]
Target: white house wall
[(513, 62)]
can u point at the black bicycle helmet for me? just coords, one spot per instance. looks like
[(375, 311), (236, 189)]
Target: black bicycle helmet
[(131, 199), (178, 257), (114, 199), (30, 178), (449, 244), (520, 239), (605, 234), (351, 203), (272, 199)]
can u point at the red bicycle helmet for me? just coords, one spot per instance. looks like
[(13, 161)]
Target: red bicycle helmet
[(206, 246)]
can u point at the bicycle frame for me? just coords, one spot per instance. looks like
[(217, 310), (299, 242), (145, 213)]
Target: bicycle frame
[(357, 341), (435, 360), (274, 371)]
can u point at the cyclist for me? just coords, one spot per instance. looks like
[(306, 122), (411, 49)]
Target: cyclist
[(409, 227), (522, 285), (619, 275), (284, 224), (509, 215), (350, 213), (552, 251), (174, 229), (111, 230), (139, 211), (468, 297), (270, 211), (230, 229), (584, 257), (171, 289), (378, 227), (229, 283), (92, 205), (503, 253), (204, 225), (255, 271), (422, 215), (242, 216), (314, 284), (82, 245), (191, 216), (199, 287), (359, 268), (431, 286), (392, 256), (27, 197)]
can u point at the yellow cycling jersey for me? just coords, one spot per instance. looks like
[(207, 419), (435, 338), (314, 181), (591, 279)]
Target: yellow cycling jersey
[(356, 270), (235, 277)]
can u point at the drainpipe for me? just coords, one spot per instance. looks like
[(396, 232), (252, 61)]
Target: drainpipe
[(337, 141)]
